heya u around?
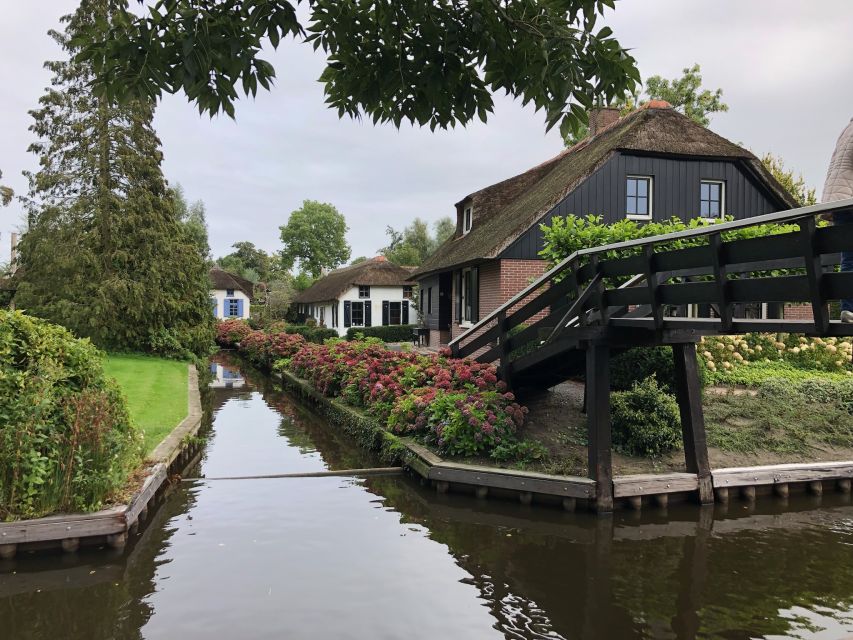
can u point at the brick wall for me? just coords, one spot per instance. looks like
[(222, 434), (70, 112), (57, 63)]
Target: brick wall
[(798, 312), (500, 280)]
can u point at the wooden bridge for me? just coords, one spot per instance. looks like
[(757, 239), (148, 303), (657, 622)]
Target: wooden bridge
[(603, 300)]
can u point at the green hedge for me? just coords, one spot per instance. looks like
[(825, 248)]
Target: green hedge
[(390, 333), (312, 334), (646, 421), (634, 365), (66, 440)]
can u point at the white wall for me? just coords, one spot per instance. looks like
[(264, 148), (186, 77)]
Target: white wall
[(377, 295), (219, 295)]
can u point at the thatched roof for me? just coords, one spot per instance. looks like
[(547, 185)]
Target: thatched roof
[(503, 211), (222, 279), (377, 271)]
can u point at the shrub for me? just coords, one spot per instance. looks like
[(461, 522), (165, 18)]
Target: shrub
[(231, 332), (646, 420), (311, 333), (639, 363), (66, 440), (387, 333)]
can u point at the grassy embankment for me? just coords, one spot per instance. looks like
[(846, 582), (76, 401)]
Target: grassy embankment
[(156, 392)]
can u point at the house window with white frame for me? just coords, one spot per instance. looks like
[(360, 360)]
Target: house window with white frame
[(638, 197), (407, 292), (712, 199), (358, 314), (467, 219), (363, 291)]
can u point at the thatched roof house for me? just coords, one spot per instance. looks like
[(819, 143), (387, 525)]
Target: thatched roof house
[(652, 164)]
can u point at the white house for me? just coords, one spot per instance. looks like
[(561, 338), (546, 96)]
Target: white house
[(230, 294), (371, 293)]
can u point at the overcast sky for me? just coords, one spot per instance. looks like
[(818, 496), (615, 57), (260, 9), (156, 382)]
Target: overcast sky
[(786, 69)]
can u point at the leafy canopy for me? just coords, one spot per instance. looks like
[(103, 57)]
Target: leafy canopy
[(6, 194), (433, 63), (250, 262), (794, 184), (315, 237), (415, 243)]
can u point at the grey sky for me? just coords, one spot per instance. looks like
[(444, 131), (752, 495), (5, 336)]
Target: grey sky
[(785, 68)]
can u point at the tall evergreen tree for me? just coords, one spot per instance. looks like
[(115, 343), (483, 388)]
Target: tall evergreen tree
[(105, 253)]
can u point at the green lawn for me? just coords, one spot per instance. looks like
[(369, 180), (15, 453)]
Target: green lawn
[(156, 392)]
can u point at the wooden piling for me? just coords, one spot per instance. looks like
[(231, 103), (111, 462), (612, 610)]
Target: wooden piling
[(481, 492), (636, 502), (569, 504), (70, 545), (525, 497), (117, 540), (748, 493), (598, 424), (662, 500), (722, 494), (816, 488), (441, 486), (7, 551), (781, 489), (844, 485)]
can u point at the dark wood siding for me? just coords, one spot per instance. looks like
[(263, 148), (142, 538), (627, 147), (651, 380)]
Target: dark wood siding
[(675, 194)]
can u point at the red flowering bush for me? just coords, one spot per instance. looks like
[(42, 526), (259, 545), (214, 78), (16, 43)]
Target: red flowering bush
[(458, 405), (230, 332)]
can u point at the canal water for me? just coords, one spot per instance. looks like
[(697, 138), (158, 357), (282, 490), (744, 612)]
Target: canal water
[(385, 557)]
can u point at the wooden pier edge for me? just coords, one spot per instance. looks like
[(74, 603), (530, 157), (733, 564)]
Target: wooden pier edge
[(114, 523), (627, 491)]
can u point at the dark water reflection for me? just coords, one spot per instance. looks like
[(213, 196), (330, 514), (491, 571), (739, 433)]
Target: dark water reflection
[(387, 558)]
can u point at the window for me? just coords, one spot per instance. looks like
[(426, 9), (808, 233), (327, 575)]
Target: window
[(363, 291), (469, 300), (229, 293), (467, 219), (358, 314), (232, 308), (395, 313), (429, 300), (711, 200), (638, 200), (421, 300), (407, 292)]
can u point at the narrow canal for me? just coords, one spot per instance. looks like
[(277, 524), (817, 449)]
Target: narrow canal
[(384, 557)]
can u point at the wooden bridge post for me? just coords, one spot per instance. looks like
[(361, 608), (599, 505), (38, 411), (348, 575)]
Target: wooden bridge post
[(505, 365), (688, 391), (598, 423)]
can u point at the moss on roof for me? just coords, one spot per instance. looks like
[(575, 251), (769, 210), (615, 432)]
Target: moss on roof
[(503, 211), (375, 272)]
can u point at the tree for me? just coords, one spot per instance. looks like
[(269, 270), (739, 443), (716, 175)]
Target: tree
[(315, 237), (104, 253), (277, 298), (193, 217), (415, 244), (795, 185), (434, 63), (6, 194), (358, 260), (682, 93), (249, 261)]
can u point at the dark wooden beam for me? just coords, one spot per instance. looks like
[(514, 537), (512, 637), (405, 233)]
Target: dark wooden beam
[(814, 273), (598, 424), (688, 391)]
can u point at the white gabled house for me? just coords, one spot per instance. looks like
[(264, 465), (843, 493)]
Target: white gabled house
[(230, 295), (371, 293)]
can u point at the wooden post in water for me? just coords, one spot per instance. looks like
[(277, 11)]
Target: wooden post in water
[(598, 424), (689, 394)]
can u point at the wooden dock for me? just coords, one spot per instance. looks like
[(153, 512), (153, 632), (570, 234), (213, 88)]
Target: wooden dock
[(111, 526)]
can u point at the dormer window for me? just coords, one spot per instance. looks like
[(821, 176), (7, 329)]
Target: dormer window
[(467, 219)]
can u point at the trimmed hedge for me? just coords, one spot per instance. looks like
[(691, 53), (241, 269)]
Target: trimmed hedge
[(317, 335), (389, 333), (66, 440), (646, 420)]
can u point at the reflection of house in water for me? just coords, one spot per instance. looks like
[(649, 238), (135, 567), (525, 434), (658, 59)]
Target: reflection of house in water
[(225, 378)]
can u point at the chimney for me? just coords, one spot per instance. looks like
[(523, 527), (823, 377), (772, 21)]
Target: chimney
[(602, 117)]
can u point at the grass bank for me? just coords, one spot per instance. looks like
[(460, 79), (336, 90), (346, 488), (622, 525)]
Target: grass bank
[(156, 392)]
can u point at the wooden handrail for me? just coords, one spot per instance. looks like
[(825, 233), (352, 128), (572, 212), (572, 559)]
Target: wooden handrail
[(780, 217)]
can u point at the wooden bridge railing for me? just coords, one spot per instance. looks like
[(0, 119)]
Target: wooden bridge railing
[(707, 269)]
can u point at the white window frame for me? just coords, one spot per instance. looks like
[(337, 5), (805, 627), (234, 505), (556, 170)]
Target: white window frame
[(722, 184), (466, 322), (650, 214), (467, 219), (365, 287)]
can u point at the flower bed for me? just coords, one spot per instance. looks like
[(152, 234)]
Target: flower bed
[(460, 406)]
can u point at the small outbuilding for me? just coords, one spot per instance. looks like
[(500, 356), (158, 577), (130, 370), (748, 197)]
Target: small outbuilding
[(230, 294), (369, 293)]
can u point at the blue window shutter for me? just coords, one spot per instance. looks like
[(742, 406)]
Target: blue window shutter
[(239, 307), (347, 313)]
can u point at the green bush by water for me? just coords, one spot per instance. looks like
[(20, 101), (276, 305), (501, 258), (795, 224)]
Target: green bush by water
[(66, 440), (646, 420)]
